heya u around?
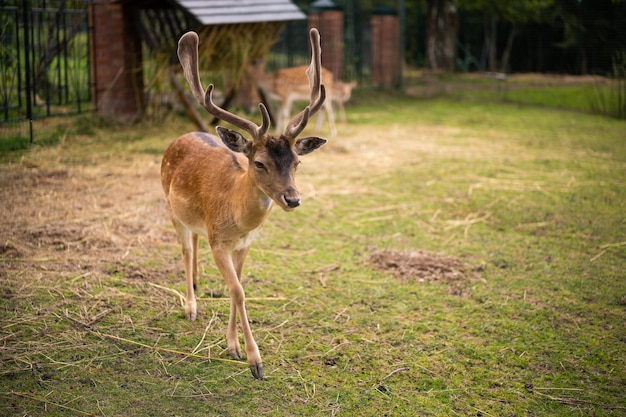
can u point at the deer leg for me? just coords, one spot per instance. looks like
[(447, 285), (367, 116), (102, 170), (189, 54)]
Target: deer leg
[(189, 261), (283, 115), (342, 113), (239, 256), (320, 120), (225, 264), (232, 338), (281, 118), (194, 241), (328, 106)]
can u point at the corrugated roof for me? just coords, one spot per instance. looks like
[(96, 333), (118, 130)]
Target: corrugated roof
[(219, 12)]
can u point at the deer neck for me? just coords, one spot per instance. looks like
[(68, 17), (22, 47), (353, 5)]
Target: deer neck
[(255, 204)]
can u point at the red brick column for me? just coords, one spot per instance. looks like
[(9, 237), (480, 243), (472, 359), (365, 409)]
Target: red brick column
[(385, 50), (330, 24), (116, 70)]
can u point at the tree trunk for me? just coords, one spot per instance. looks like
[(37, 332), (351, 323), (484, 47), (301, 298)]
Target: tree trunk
[(506, 55), (584, 62), (450, 34), (431, 34), (187, 105), (442, 28)]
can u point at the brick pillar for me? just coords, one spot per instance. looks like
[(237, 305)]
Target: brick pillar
[(330, 24), (385, 50), (116, 70)]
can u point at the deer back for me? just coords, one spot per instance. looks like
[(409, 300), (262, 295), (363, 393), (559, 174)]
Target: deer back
[(292, 83), (204, 182)]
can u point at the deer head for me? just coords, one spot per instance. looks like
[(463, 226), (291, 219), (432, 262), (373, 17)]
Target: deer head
[(272, 159)]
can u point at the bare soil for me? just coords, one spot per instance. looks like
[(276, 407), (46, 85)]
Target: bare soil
[(427, 267)]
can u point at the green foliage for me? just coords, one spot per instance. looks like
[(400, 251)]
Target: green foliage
[(12, 143), (611, 100), (16, 141), (516, 11)]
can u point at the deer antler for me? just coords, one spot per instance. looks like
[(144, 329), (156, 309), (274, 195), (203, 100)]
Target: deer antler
[(318, 92), (188, 57)]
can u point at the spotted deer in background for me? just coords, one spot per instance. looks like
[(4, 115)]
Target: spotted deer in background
[(288, 85)]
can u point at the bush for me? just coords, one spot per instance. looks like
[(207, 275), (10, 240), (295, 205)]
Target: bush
[(612, 100)]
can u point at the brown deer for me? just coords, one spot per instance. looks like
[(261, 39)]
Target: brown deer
[(224, 187), (288, 85)]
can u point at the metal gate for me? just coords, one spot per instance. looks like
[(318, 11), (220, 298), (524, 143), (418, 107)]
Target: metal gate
[(45, 66), (292, 46)]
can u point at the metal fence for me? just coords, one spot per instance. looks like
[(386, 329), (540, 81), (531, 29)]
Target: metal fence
[(292, 46), (44, 63)]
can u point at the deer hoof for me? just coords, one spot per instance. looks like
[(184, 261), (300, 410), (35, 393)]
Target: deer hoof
[(235, 353), (190, 313), (257, 371)]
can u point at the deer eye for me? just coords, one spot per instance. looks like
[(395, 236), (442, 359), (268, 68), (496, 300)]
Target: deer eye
[(259, 165)]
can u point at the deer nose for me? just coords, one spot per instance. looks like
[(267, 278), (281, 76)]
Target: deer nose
[(292, 201)]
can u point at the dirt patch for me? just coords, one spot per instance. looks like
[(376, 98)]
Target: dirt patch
[(422, 266), (147, 273), (10, 251), (83, 219)]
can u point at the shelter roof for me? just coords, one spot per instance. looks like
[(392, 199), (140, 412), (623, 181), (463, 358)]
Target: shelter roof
[(218, 12)]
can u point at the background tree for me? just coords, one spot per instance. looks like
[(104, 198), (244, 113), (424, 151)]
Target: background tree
[(514, 13), (442, 28), (594, 29), (567, 36)]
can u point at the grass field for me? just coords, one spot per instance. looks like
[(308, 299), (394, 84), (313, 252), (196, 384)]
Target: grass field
[(452, 257)]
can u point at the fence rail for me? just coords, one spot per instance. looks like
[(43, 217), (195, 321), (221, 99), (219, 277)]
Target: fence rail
[(45, 67)]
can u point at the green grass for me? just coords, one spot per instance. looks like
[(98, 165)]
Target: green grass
[(48, 132), (531, 199), (600, 95)]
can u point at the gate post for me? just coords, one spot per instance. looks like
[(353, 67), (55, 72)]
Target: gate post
[(116, 56), (328, 19), (385, 48)]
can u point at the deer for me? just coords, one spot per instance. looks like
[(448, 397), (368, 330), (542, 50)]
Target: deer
[(224, 187), (342, 91), (288, 85)]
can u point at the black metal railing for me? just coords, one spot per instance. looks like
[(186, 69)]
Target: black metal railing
[(45, 67)]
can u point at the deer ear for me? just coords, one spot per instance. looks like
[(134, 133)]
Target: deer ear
[(234, 140), (307, 145)]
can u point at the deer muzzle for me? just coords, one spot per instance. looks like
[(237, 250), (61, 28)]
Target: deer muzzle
[(291, 199)]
